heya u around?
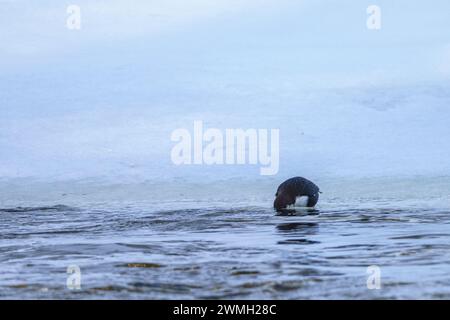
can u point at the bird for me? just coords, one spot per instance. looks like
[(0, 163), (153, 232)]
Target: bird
[(297, 191)]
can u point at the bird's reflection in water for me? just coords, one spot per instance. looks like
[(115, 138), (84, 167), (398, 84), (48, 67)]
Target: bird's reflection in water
[(298, 228), (298, 212), (297, 233)]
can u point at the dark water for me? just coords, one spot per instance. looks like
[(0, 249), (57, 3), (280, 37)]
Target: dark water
[(222, 251)]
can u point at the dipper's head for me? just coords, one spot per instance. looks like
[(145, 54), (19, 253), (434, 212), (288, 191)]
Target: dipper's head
[(282, 200)]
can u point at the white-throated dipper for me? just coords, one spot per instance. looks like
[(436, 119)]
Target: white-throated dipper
[(290, 192)]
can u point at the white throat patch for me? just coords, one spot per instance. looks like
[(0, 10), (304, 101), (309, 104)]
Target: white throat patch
[(300, 202)]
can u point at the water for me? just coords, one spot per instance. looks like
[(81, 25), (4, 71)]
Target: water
[(131, 246)]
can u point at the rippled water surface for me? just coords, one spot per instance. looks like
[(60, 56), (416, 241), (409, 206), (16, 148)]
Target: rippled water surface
[(215, 250)]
